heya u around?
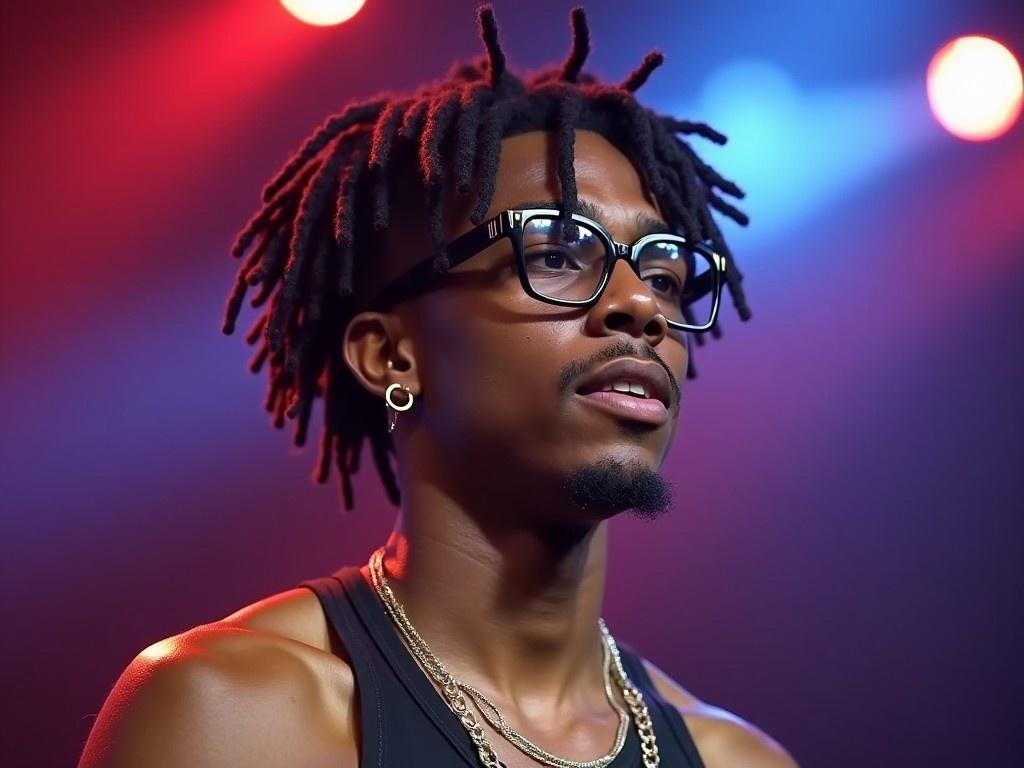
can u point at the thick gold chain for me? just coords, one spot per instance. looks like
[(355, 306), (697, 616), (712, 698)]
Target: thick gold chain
[(452, 690), (635, 701)]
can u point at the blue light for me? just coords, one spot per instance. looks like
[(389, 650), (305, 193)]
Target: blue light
[(796, 152)]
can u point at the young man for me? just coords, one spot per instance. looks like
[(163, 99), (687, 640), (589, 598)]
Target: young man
[(494, 281)]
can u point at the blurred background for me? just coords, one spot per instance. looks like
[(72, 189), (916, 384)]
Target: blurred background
[(843, 567)]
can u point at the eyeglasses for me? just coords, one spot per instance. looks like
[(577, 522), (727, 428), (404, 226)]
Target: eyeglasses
[(568, 261)]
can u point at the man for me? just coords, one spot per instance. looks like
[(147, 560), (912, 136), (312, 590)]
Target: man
[(493, 281)]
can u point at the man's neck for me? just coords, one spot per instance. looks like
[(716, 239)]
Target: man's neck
[(512, 611)]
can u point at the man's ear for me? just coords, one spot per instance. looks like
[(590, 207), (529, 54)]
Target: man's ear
[(379, 352)]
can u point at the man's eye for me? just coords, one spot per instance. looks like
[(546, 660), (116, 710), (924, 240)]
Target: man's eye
[(665, 284), (550, 259)]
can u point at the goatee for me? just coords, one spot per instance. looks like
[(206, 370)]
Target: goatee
[(611, 486)]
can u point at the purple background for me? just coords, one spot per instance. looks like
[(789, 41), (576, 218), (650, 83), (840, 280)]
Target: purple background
[(843, 567)]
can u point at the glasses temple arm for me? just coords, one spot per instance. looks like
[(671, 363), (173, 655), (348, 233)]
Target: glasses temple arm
[(478, 238)]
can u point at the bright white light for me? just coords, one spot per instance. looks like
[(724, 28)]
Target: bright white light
[(975, 88), (323, 13)]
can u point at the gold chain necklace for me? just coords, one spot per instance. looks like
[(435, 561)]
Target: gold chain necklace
[(497, 720), (452, 690)]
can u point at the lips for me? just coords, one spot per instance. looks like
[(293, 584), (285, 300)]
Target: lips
[(648, 375), (643, 391), (628, 407)]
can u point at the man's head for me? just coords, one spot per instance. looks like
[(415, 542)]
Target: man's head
[(505, 385)]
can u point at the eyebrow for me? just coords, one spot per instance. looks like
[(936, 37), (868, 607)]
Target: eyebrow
[(645, 225)]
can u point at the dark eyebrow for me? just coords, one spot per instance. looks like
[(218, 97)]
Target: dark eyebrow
[(645, 225)]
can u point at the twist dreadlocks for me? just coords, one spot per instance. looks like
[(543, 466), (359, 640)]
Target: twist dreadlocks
[(323, 210)]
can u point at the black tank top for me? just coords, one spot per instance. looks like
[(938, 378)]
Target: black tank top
[(405, 722)]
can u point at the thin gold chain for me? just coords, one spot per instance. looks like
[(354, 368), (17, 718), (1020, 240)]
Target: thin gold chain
[(452, 690), (500, 724)]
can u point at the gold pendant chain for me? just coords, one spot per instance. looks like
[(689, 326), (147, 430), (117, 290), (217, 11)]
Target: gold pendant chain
[(453, 689)]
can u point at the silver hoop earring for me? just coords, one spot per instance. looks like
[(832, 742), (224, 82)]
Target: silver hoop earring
[(393, 408)]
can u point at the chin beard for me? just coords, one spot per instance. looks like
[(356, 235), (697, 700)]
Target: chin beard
[(611, 486)]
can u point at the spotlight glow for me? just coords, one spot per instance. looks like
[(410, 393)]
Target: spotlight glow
[(323, 13), (975, 88)]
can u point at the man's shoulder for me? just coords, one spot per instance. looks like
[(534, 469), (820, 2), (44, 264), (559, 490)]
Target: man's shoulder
[(723, 739), (231, 652), (279, 642), (279, 647), (211, 691)]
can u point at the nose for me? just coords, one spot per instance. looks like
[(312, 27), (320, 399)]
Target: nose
[(627, 306)]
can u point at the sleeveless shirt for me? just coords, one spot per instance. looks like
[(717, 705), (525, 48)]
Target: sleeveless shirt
[(405, 722)]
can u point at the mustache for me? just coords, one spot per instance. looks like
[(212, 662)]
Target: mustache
[(620, 348)]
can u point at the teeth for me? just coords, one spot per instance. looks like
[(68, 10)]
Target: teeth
[(626, 388)]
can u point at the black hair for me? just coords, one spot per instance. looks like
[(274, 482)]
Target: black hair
[(321, 213)]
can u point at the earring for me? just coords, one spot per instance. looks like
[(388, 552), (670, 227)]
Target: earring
[(392, 408)]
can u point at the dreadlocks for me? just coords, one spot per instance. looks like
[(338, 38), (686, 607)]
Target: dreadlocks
[(322, 211)]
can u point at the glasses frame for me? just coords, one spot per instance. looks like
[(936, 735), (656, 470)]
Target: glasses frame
[(511, 223)]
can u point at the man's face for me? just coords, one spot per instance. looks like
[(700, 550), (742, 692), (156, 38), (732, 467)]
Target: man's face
[(499, 371)]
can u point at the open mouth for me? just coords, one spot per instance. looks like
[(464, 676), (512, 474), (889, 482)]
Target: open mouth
[(638, 390)]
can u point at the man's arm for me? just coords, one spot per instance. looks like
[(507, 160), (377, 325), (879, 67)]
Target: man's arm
[(218, 697), (723, 740)]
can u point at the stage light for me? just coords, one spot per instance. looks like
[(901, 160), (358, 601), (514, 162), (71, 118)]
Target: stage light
[(323, 13), (975, 88)]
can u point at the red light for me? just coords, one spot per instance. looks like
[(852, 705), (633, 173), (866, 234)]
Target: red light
[(975, 88), (323, 13)]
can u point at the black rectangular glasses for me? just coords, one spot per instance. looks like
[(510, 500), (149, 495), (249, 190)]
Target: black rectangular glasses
[(568, 262)]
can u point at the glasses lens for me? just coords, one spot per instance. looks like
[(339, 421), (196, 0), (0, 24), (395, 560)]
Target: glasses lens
[(564, 259), (681, 278)]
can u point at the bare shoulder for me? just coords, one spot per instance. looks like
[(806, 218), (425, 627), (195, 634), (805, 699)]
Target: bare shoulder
[(723, 739), (247, 690)]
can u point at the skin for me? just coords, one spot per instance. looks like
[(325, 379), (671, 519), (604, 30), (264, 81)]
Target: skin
[(505, 586)]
